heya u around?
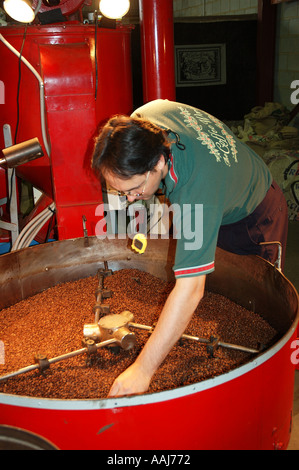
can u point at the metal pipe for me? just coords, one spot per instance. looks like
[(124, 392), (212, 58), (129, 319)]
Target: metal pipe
[(22, 153), (41, 88), (78, 352), (157, 40), (30, 231), (278, 261), (101, 294), (201, 340)]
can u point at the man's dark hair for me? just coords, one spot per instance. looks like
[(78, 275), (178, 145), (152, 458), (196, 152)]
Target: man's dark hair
[(128, 146)]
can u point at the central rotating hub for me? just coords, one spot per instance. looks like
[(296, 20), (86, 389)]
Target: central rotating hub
[(116, 326), (112, 327)]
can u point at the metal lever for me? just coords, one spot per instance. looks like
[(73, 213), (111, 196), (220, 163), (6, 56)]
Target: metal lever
[(278, 261), (102, 293), (211, 343), (42, 363)]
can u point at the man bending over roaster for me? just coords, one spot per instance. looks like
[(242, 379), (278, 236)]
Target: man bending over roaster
[(197, 162)]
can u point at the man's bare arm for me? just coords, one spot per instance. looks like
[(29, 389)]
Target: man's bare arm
[(173, 321)]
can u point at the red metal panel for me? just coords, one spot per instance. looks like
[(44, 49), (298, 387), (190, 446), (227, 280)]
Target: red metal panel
[(70, 98), (115, 89), (67, 69)]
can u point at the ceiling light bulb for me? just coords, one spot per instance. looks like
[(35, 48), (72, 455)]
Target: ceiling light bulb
[(114, 9), (19, 10)]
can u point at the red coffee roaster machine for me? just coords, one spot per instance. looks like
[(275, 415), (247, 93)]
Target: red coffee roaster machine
[(61, 81)]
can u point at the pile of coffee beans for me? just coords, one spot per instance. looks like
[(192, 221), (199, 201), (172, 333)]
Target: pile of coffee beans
[(51, 323)]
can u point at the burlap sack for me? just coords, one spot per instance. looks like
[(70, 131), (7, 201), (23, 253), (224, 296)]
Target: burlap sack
[(284, 167)]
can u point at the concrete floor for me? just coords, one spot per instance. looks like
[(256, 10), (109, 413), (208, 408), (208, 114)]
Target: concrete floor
[(292, 273)]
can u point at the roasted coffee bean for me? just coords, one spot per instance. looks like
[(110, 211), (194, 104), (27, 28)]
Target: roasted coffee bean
[(51, 323)]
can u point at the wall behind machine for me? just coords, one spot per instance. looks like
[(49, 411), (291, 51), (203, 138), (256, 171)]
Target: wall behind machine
[(228, 101)]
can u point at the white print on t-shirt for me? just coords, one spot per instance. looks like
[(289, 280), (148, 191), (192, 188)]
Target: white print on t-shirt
[(220, 144)]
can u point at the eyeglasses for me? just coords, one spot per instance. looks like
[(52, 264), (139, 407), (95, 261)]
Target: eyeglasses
[(129, 193)]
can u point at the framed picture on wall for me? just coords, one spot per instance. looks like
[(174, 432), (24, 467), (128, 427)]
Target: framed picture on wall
[(200, 65)]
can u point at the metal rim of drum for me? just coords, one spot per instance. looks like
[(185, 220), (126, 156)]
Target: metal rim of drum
[(12, 438)]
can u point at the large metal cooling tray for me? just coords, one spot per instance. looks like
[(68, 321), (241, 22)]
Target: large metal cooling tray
[(114, 330)]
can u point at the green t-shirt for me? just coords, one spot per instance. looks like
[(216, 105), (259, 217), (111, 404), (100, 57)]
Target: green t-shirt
[(213, 179)]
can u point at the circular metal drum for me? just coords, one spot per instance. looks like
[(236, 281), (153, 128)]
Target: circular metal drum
[(249, 407), (12, 438)]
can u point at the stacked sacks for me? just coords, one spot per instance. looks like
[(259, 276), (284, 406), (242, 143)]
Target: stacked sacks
[(267, 132)]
